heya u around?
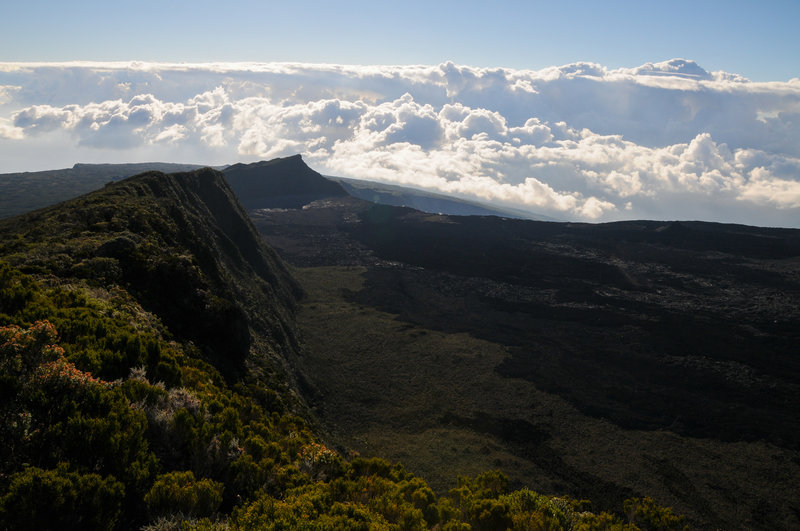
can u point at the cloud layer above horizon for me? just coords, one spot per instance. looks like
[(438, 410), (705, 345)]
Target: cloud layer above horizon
[(577, 142)]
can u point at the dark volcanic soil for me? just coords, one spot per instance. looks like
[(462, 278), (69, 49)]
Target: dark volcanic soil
[(690, 327), (685, 327)]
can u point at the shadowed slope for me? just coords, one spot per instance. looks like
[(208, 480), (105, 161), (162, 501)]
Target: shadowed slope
[(594, 360), (279, 183)]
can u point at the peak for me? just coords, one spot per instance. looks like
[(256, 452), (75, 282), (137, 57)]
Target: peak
[(280, 183), (292, 159)]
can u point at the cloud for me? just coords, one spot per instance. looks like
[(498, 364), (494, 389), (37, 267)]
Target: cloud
[(11, 132), (764, 188), (578, 141)]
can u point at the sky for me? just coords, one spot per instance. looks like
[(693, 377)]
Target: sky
[(591, 111), (758, 40)]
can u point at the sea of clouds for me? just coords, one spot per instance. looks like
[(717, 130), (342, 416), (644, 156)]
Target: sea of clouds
[(578, 142)]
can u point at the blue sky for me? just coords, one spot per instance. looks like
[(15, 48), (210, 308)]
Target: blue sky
[(758, 40), (592, 111)]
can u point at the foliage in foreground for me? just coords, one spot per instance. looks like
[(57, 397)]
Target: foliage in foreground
[(91, 452), (116, 417)]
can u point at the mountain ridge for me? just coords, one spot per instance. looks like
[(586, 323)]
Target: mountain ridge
[(607, 361), (279, 183), (195, 212), (147, 362), (25, 191)]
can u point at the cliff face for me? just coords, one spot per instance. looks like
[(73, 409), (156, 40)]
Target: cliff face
[(280, 183), (185, 249)]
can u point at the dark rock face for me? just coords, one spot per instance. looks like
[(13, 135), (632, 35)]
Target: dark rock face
[(214, 297), (279, 183)]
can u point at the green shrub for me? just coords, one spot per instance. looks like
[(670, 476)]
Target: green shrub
[(39, 499), (645, 514), (180, 492), (16, 289), (602, 522), (532, 510)]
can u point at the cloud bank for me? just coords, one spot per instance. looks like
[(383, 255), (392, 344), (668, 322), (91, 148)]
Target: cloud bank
[(580, 142)]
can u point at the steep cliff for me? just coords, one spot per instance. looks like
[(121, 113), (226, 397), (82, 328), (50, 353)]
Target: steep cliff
[(280, 183)]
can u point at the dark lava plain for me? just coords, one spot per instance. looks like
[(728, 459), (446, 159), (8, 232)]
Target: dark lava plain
[(688, 328)]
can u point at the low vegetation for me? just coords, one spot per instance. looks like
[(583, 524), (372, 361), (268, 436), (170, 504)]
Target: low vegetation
[(139, 387), (26, 191)]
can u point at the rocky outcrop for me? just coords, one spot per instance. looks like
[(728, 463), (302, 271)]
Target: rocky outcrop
[(279, 183)]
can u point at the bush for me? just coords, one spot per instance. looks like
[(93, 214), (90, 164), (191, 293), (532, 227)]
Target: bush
[(180, 492), (645, 514), (37, 499)]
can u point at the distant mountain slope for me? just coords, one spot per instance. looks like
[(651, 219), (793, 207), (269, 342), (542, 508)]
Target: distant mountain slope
[(23, 192), (431, 202), (289, 183), (279, 183)]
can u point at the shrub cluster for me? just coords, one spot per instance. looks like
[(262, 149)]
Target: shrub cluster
[(106, 423)]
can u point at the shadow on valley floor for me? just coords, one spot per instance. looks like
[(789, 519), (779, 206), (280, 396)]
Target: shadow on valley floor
[(599, 361)]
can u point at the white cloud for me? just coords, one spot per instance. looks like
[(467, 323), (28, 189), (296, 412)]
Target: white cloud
[(11, 132), (577, 142), (176, 133), (764, 188)]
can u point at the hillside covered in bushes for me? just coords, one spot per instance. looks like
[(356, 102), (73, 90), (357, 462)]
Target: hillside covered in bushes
[(145, 383)]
